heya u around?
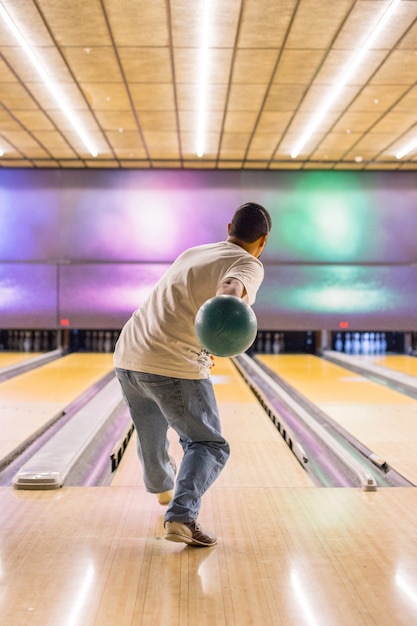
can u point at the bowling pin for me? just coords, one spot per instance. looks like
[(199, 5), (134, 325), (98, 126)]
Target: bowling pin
[(107, 342), (348, 344), (339, 343), (268, 344), (356, 344)]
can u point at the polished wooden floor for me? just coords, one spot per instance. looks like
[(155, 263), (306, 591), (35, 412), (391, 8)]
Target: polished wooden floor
[(288, 553)]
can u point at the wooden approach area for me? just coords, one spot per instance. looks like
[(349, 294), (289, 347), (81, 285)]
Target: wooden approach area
[(288, 553)]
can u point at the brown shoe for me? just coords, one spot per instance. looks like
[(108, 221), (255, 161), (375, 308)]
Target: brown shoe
[(190, 533)]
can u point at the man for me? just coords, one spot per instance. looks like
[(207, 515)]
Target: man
[(164, 372)]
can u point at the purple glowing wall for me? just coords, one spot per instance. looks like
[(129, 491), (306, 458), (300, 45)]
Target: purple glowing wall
[(87, 246)]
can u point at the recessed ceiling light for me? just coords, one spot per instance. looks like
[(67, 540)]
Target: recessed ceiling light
[(203, 73), (341, 82), (409, 147), (47, 80), (358, 159)]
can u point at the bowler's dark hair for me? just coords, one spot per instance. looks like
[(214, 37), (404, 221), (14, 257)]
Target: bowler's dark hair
[(250, 221)]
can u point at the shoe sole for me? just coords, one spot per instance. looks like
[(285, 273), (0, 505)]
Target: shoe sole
[(188, 540)]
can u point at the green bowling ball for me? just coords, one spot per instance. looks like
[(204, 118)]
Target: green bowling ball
[(225, 326)]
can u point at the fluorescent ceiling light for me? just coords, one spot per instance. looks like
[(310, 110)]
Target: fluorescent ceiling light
[(411, 145), (203, 81), (49, 83), (327, 103)]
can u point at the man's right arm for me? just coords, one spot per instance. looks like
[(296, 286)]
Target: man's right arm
[(231, 287)]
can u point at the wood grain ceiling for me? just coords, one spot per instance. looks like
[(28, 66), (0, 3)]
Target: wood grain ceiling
[(129, 69)]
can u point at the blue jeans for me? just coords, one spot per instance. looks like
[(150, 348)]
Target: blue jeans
[(190, 408)]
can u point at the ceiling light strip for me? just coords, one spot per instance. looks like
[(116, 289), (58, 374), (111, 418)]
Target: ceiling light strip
[(409, 147), (201, 127), (327, 103), (49, 83)]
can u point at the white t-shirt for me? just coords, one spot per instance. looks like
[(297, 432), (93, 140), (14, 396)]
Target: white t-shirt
[(160, 338)]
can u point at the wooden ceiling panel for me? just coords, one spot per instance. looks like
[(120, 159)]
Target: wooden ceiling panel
[(395, 122), (43, 101), (158, 121), (130, 71), (91, 164), (21, 138), (50, 58), (187, 23), (409, 40), (254, 66), (76, 23), (356, 121), (189, 146), (298, 66), (132, 151), (240, 121), (56, 144), (115, 120), (317, 94), (372, 144), (106, 96), (26, 15), (377, 98), (336, 62), (146, 65), (93, 65), (6, 74), (246, 97), (15, 96), (138, 23), (284, 97), (187, 69), (235, 141), (399, 69), (188, 121), (7, 122), (315, 24), (124, 140), (408, 101), (265, 23), (274, 122), (162, 145), (188, 98), (153, 96), (364, 15), (335, 145), (264, 142)]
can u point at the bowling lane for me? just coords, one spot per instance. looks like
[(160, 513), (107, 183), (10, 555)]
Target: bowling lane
[(382, 419), (259, 455), (12, 358), (397, 362), (29, 401)]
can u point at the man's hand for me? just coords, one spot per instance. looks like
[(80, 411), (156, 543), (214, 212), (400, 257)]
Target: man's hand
[(231, 287)]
